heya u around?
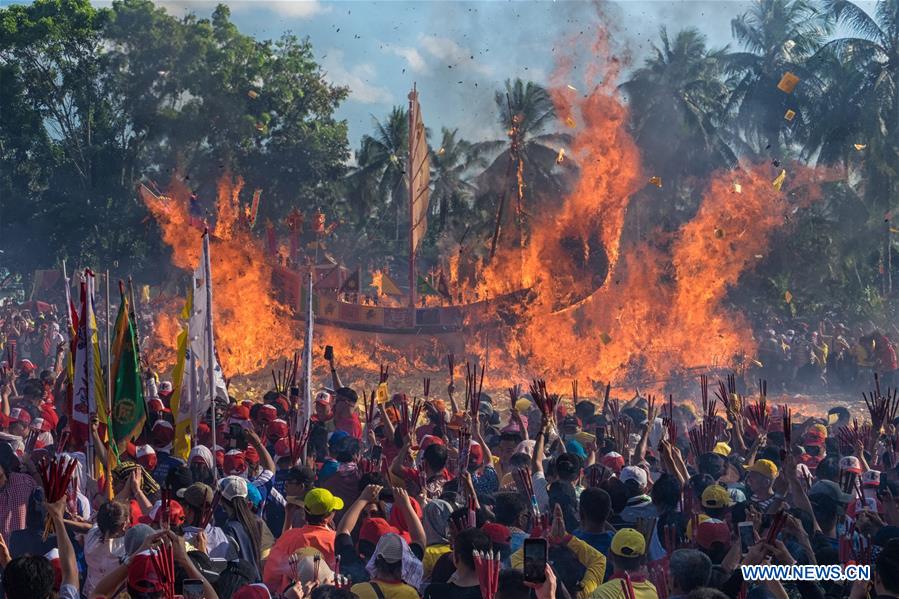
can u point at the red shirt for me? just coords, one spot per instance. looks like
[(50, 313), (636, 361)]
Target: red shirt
[(277, 567), (14, 502), (349, 425)]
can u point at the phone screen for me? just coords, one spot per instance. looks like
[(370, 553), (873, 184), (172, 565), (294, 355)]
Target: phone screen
[(376, 454), (234, 433), (193, 588), (747, 538), (535, 555), (329, 352)]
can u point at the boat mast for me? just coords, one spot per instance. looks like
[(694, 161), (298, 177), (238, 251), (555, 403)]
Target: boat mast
[(413, 102)]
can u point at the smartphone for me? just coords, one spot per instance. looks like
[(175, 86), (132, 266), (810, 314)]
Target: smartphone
[(234, 434), (329, 352), (536, 554), (747, 536), (192, 588), (294, 392), (376, 454)]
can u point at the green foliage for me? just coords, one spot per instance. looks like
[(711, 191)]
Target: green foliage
[(94, 100)]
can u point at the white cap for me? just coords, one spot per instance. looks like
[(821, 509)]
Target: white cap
[(871, 478), (634, 473), (143, 450), (165, 386), (390, 547), (233, 486)]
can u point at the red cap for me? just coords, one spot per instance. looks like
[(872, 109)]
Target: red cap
[(813, 437), (375, 528), (499, 534), (48, 413), (247, 402), (712, 532), (176, 513), (234, 462), (142, 576), (397, 519), (613, 460), (282, 448), (21, 415), (268, 413), (276, 429), (27, 366), (429, 440), (162, 433), (251, 455), (156, 405), (219, 456), (204, 434), (476, 454), (252, 591), (282, 403), (240, 413)]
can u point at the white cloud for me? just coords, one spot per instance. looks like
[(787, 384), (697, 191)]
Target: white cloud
[(299, 9), (451, 53), (412, 57), (357, 77)]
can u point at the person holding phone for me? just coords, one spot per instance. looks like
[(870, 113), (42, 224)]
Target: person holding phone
[(463, 584)]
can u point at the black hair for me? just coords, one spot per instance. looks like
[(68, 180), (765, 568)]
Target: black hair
[(520, 460), (330, 592), (617, 491), (236, 574), (568, 467), (346, 450), (435, 456), (511, 585), (254, 410), (111, 516), (584, 410), (28, 577), (706, 593), (770, 453), (626, 564), (690, 569), (828, 468), (371, 478), (347, 394), (712, 464), (316, 519), (385, 568), (467, 541), (303, 474), (179, 477), (699, 482), (509, 507), (595, 505), (666, 492)]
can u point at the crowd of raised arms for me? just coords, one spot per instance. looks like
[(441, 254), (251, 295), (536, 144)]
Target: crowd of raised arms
[(439, 494)]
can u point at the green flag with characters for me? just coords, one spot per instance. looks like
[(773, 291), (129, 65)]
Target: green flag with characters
[(128, 407), (425, 288)]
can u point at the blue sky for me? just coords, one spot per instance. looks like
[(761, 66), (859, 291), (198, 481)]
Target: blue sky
[(458, 53)]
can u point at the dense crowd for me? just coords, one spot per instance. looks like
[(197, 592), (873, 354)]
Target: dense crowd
[(440, 495)]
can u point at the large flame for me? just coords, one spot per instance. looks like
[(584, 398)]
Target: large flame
[(251, 326)]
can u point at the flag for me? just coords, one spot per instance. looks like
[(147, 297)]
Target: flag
[(128, 408), (304, 411), (419, 171), (388, 287), (351, 285), (443, 286), (425, 288), (202, 336), (779, 180), (88, 391), (184, 385)]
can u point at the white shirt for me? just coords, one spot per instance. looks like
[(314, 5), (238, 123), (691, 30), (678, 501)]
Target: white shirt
[(217, 544), (102, 556)]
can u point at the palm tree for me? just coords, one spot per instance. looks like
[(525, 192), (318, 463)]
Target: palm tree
[(449, 164), (525, 112), (778, 36), (381, 164), (677, 100)]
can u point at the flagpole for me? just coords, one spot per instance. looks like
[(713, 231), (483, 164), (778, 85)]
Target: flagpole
[(412, 102), (108, 363), (306, 413), (210, 359)]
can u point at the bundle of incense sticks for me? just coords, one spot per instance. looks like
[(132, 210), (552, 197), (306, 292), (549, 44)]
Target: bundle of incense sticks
[(370, 407), (694, 528), (426, 387), (165, 499), (605, 397), (669, 422), (285, 377), (669, 538), (55, 473), (574, 397), (758, 414), (526, 484), (62, 441), (544, 400), (627, 587), (472, 511), (11, 355), (704, 436), (514, 393), (164, 564), (30, 440), (850, 436), (293, 564), (708, 406), (487, 566), (658, 576), (464, 449), (298, 445), (865, 552), (687, 500), (787, 420), (451, 366), (882, 408), (316, 566), (209, 511), (473, 389), (383, 374), (777, 524)]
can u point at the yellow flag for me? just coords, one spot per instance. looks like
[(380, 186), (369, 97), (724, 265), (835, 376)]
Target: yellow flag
[(382, 395), (180, 384), (779, 181)]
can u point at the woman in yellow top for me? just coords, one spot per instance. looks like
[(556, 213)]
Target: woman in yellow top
[(435, 520), (395, 571)]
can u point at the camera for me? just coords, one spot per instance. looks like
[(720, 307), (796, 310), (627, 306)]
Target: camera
[(237, 437)]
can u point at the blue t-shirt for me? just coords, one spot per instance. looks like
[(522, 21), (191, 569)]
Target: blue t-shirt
[(601, 541)]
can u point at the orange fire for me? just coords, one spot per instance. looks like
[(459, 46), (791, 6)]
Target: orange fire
[(251, 326)]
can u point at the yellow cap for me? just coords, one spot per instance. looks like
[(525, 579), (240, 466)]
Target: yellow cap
[(523, 405), (722, 448), (585, 438), (716, 496), (320, 501), (820, 428), (628, 542), (765, 468)]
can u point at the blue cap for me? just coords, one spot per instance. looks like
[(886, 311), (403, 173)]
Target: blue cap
[(575, 448), (253, 495)]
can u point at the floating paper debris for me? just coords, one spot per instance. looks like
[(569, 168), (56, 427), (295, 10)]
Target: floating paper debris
[(894, 230), (790, 115), (394, 159), (572, 88), (260, 127), (253, 95), (738, 188), (779, 181), (570, 122), (859, 147), (605, 338), (788, 83), (788, 297), (561, 156), (657, 181), (759, 256), (441, 151), (719, 233)]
